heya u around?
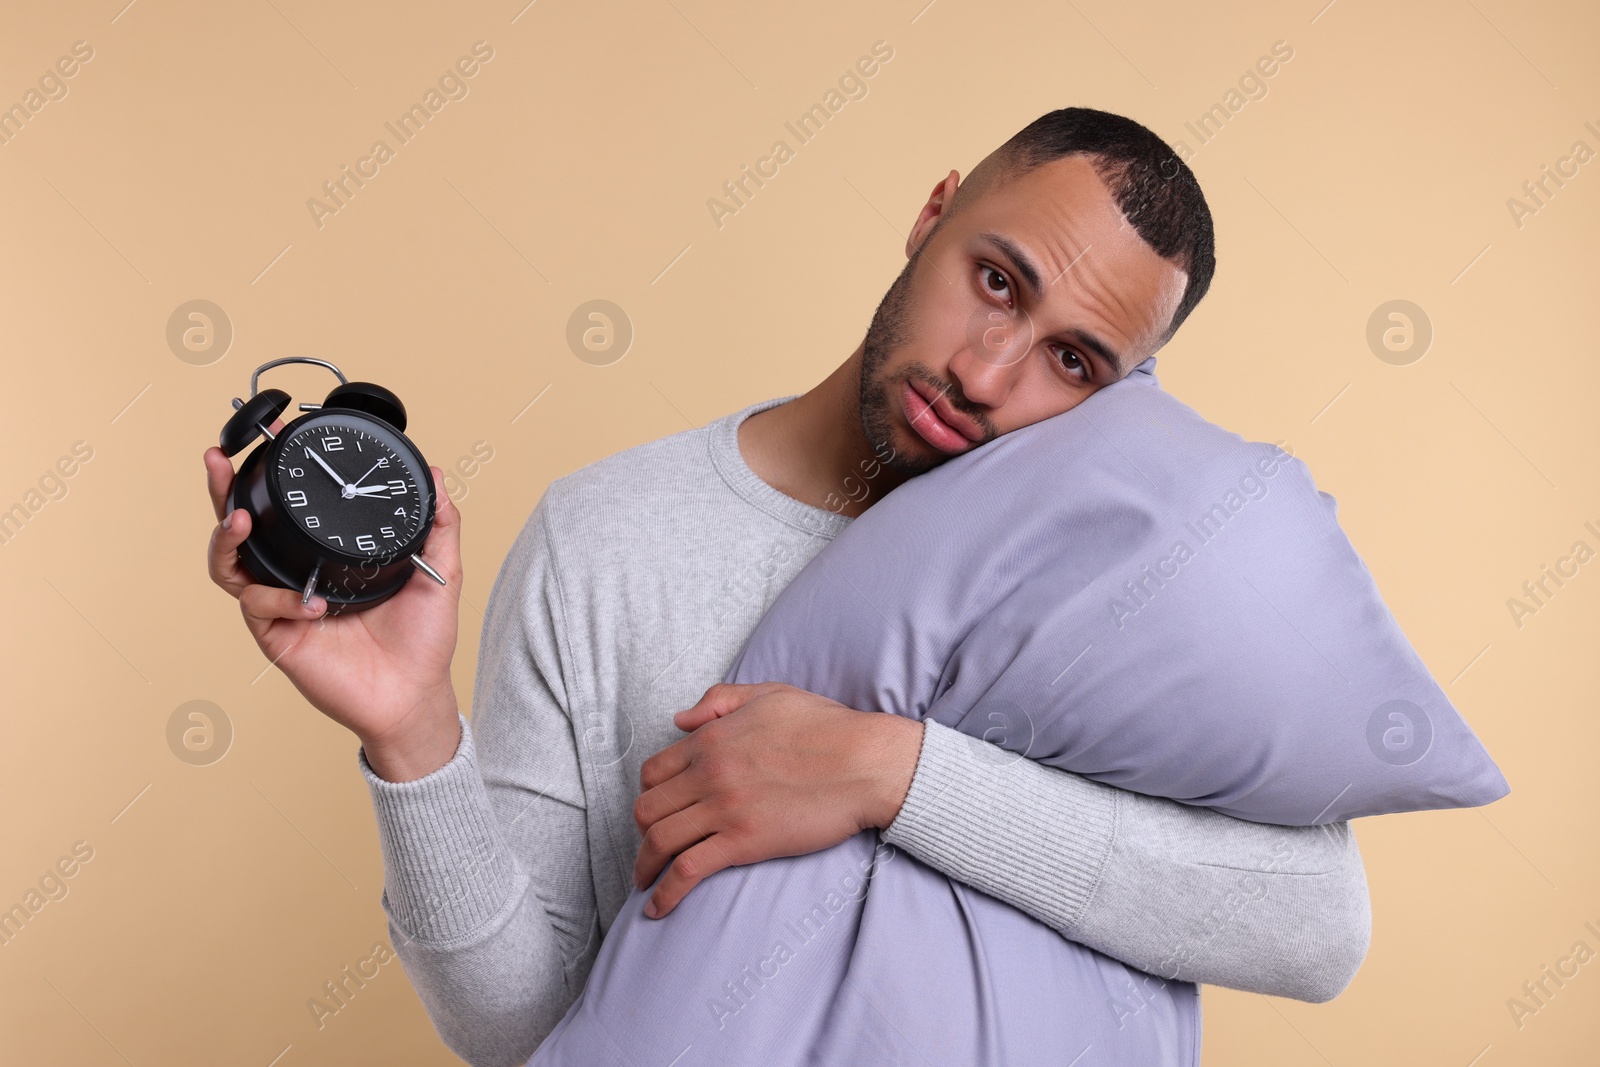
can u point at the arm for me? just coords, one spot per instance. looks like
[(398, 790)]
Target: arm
[(486, 870), (1174, 890), (486, 865)]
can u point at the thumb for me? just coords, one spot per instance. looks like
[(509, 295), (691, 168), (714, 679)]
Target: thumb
[(443, 550), (724, 698)]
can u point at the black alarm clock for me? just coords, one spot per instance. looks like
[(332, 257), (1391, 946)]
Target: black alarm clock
[(340, 500)]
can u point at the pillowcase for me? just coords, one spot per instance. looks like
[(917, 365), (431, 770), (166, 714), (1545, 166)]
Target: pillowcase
[(1134, 594)]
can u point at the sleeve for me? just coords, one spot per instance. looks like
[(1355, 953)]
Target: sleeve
[(487, 884), (1180, 892)]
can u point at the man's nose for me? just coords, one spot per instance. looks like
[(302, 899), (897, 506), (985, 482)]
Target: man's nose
[(991, 363)]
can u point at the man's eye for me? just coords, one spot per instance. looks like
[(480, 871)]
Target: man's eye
[(1074, 362), (989, 276)]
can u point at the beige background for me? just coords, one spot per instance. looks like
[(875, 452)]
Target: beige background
[(1378, 166)]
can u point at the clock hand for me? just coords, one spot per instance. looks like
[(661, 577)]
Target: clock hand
[(371, 491), (331, 472), (363, 478)]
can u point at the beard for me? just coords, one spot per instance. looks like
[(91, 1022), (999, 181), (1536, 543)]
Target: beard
[(889, 331)]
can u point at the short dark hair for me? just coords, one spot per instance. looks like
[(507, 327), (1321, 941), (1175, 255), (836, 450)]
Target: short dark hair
[(1154, 189)]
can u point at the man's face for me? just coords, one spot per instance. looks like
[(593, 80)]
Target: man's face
[(1029, 299)]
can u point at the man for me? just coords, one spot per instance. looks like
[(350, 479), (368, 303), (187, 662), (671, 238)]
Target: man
[(511, 843)]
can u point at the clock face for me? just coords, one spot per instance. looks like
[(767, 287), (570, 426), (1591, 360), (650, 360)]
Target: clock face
[(354, 486)]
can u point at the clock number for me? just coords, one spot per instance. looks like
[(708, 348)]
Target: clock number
[(333, 444), (387, 531), (366, 543), (397, 487), (297, 472), (400, 511), (383, 461), (336, 537), (312, 521), (296, 498)]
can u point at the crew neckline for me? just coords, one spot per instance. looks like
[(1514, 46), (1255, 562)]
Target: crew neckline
[(723, 443)]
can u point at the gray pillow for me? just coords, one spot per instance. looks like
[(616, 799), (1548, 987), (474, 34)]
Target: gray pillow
[(1124, 591), (1132, 593)]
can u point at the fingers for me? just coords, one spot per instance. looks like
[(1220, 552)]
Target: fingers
[(654, 804), (219, 473), (687, 871), (219, 476), (663, 766), (443, 550), (721, 699), (222, 556), (263, 605), (666, 838)]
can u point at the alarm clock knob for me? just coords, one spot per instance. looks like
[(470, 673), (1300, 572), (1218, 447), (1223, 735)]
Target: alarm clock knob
[(369, 399), (252, 419)]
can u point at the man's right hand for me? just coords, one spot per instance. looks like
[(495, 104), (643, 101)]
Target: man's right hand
[(383, 673)]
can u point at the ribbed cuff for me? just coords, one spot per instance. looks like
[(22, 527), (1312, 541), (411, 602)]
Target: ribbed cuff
[(447, 871), (1033, 836)]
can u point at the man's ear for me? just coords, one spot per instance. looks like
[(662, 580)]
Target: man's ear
[(939, 202)]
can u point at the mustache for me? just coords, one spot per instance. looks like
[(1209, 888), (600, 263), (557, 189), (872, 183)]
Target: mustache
[(890, 331), (953, 394)]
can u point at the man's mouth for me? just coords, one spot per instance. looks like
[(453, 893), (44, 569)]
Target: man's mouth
[(931, 416)]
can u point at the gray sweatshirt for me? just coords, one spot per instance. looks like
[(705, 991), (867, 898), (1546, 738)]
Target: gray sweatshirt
[(626, 595)]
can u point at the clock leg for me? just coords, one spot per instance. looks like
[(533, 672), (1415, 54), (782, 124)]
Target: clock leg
[(422, 566), (311, 583)]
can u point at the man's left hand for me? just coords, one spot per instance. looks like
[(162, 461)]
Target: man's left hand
[(767, 770)]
